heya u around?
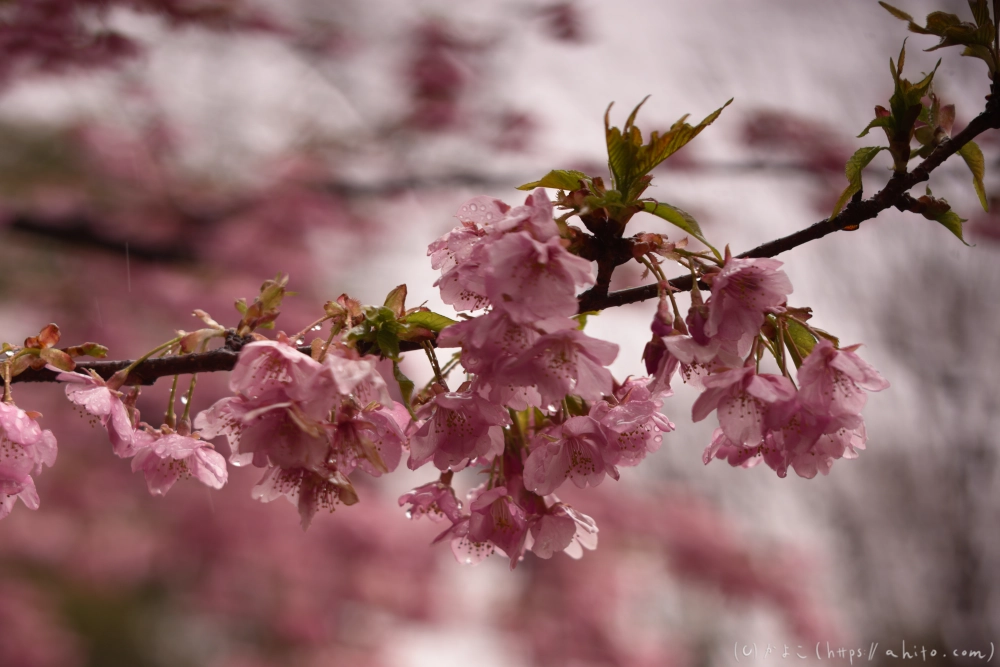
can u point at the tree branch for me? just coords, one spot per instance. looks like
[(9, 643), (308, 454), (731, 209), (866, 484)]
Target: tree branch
[(894, 194)]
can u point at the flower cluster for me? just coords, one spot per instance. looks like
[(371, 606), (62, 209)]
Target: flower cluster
[(540, 405), (762, 416), (164, 455), (24, 448), (308, 423)]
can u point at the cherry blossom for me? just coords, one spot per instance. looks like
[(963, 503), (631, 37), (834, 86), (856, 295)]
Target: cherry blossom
[(574, 450), (562, 528), (24, 448), (531, 280), (831, 380), (436, 500), (103, 400), (308, 490), (633, 424), (741, 293), (742, 397), (565, 362), (494, 518), (164, 457), (457, 427)]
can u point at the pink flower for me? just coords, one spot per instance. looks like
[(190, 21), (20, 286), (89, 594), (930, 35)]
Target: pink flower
[(741, 293), (463, 286), (487, 340), (435, 500), (277, 432), (267, 365), (371, 438), (24, 448), (494, 518), (308, 490), (458, 428), (531, 281), (562, 528), (565, 362), (742, 397), (534, 217), (736, 454), (573, 450), (633, 425), (165, 457), (796, 437), (831, 380), (102, 400), (697, 361)]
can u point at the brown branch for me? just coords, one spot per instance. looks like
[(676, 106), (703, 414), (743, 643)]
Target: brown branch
[(894, 194), (149, 371)]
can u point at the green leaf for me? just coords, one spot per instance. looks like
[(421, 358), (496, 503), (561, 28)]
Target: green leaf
[(630, 159), (973, 157), (405, 386), (396, 300), (428, 320), (952, 223), (881, 121), (679, 218), (558, 179), (855, 166), (899, 14), (980, 11), (799, 341), (388, 343), (581, 318)]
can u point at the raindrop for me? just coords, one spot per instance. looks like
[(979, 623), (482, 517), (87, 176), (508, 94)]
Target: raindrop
[(299, 341), (409, 514), (317, 328), (473, 207), (184, 400), (10, 353), (468, 561)]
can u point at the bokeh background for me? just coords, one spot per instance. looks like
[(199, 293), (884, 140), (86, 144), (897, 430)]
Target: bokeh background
[(158, 156)]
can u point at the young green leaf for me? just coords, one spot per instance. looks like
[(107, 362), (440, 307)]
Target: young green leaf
[(388, 343), (800, 341), (861, 158), (558, 179), (428, 320), (679, 218), (973, 157), (977, 38), (405, 386), (950, 220), (630, 159), (396, 300), (899, 14)]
